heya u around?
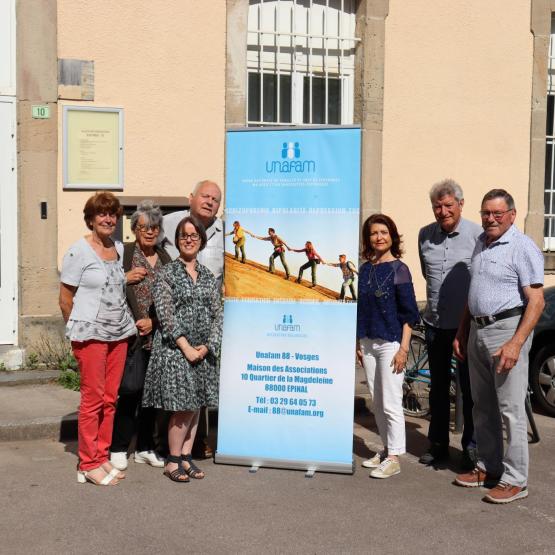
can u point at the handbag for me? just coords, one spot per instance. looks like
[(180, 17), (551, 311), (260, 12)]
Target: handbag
[(134, 371)]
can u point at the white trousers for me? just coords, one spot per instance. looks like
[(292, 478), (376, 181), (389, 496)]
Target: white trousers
[(386, 392)]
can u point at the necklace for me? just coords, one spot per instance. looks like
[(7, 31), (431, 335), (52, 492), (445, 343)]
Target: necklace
[(379, 292)]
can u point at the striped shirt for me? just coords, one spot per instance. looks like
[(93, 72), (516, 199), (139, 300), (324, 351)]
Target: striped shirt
[(499, 272), (445, 261)]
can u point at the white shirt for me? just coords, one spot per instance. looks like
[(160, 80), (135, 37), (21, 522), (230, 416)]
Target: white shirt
[(83, 268)]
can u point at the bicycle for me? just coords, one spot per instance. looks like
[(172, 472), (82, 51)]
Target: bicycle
[(416, 384)]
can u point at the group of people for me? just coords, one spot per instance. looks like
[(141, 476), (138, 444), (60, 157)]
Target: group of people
[(159, 300), (347, 267), (484, 289), (151, 306)]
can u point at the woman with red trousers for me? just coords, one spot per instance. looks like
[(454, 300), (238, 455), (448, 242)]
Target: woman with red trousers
[(99, 325)]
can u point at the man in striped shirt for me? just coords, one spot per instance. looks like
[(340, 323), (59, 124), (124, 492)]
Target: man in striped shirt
[(505, 301)]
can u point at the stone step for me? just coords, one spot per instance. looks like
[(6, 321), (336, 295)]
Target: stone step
[(35, 408), (39, 411), (28, 377)]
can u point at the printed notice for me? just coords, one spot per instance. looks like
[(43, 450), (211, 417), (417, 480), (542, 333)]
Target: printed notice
[(93, 148)]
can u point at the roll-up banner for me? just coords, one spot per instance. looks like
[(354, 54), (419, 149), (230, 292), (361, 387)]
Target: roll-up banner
[(288, 350)]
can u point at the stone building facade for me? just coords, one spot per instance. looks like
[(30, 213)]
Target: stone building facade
[(439, 88)]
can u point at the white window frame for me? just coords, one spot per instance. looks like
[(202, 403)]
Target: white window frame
[(549, 182), (7, 47), (302, 51), (8, 229)]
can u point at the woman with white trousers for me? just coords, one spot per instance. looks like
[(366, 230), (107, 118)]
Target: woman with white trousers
[(387, 311)]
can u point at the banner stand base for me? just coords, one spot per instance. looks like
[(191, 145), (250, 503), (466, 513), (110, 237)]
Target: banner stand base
[(310, 467)]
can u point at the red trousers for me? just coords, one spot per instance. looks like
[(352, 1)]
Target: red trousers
[(101, 366)]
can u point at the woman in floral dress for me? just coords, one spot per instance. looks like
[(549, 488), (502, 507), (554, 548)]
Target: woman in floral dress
[(182, 374)]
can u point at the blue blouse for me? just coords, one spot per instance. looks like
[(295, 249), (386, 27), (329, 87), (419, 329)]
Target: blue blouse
[(386, 301)]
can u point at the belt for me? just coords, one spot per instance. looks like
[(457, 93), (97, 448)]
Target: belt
[(484, 321)]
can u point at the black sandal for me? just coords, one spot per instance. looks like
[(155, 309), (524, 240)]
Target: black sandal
[(193, 471), (176, 475)]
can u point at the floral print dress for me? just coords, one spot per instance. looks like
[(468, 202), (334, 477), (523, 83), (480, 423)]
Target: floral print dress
[(143, 289), (194, 311)]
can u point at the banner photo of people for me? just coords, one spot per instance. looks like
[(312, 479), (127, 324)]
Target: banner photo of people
[(291, 266)]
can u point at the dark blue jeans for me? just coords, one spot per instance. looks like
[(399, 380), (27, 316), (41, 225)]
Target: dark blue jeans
[(440, 352)]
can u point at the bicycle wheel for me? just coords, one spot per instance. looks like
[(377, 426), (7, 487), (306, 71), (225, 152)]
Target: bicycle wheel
[(416, 385)]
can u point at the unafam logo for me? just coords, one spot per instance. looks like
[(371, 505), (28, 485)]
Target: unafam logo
[(291, 150), (290, 161), (287, 324)]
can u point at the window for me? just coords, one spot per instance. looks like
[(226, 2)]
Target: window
[(549, 188), (300, 60)]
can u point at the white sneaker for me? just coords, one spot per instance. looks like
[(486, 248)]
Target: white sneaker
[(375, 461), (119, 460), (149, 457), (387, 468)]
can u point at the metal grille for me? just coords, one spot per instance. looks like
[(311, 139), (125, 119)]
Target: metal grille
[(549, 187), (300, 60)]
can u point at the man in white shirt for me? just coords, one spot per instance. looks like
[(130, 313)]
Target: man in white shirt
[(204, 203)]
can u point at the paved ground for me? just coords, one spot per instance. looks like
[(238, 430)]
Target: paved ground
[(44, 510)]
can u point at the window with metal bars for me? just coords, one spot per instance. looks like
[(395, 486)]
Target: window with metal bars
[(549, 188), (300, 60)]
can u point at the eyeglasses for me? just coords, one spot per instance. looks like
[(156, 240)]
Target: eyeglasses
[(146, 228), (193, 236), (498, 214)]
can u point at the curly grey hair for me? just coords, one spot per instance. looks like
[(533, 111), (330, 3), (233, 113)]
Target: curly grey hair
[(151, 213), (446, 187)]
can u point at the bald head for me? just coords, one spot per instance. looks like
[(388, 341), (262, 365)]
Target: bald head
[(205, 201)]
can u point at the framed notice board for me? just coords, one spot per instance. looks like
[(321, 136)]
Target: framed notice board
[(92, 148)]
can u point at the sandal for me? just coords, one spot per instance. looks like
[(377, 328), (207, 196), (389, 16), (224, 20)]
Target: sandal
[(84, 476), (193, 470), (112, 471), (179, 474)]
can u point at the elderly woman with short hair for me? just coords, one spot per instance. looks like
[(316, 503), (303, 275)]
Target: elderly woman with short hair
[(99, 325), (142, 261)]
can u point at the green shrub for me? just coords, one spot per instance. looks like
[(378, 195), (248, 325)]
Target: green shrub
[(32, 361), (54, 352), (69, 379), (68, 363)]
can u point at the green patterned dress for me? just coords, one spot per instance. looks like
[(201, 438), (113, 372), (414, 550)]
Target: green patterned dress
[(194, 311)]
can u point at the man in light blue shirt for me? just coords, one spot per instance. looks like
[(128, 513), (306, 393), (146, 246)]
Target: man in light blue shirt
[(505, 301), (445, 248)]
